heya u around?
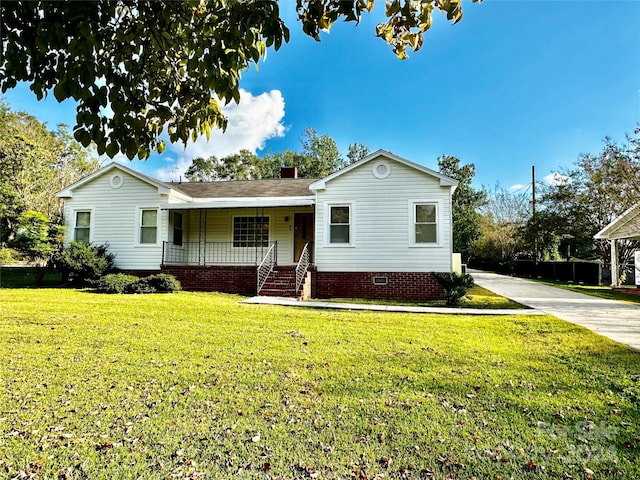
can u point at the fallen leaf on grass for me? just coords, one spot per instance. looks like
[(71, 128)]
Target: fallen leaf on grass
[(104, 446)]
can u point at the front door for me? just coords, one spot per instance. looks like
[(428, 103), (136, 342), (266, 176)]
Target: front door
[(303, 233)]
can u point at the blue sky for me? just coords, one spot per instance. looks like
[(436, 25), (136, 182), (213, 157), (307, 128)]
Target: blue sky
[(514, 84)]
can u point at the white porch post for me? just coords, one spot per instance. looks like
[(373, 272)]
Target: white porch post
[(614, 263)]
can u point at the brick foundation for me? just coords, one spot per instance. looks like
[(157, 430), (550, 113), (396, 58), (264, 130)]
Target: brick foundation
[(399, 286), (242, 280), (629, 290), (228, 279)]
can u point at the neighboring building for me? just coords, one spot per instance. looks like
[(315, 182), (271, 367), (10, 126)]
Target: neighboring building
[(625, 227), (378, 228)]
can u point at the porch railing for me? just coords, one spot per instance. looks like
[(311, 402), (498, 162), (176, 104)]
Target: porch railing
[(266, 266), (303, 265), (214, 253)]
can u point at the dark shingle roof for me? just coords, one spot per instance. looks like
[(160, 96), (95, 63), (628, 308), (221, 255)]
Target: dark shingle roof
[(279, 187)]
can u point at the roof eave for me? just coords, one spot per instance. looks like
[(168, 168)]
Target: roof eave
[(163, 189), (609, 232), (245, 202), (444, 180)]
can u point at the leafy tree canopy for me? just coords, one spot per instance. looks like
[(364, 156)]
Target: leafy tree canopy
[(503, 217), (589, 196), (35, 163), (357, 151), (319, 156), (466, 204), (137, 69), (37, 240), (239, 166)]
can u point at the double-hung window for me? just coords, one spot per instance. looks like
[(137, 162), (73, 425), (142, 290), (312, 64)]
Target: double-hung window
[(251, 231), (82, 227), (425, 215), (148, 226), (340, 219)]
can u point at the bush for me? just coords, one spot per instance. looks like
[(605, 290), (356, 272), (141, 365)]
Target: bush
[(8, 256), (121, 283), (159, 283), (116, 283), (83, 264), (455, 285)]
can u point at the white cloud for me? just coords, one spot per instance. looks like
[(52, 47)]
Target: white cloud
[(556, 178), (251, 123), (517, 186)]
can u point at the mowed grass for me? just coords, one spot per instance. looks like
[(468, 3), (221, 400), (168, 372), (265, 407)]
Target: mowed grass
[(24, 277), (596, 291), (476, 297), (195, 385)]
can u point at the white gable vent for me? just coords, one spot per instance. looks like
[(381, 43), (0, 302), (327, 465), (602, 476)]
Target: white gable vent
[(381, 169), (116, 180)]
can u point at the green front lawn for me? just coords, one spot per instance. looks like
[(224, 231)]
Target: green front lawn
[(595, 291), (195, 385), (24, 277), (477, 297)]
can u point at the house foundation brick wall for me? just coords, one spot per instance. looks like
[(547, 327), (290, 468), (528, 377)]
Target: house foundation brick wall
[(228, 279), (399, 285)]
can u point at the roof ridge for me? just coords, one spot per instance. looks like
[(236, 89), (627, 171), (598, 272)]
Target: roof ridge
[(209, 182)]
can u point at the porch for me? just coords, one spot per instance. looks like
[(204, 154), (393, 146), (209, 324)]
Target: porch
[(219, 266), (237, 250), (215, 253)]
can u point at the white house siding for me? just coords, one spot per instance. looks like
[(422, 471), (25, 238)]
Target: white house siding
[(219, 226), (115, 217), (382, 222)]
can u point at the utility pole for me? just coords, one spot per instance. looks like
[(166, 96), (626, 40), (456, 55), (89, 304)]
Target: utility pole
[(533, 214), (533, 189)]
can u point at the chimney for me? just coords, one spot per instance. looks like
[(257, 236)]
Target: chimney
[(288, 172)]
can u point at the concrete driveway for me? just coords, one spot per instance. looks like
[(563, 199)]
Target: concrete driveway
[(617, 320)]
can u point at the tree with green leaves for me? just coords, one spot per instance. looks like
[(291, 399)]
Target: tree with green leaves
[(501, 221), (202, 169), (35, 163), (319, 157), (466, 204), (357, 151), (588, 197), (137, 69), (238, 166), (37, 240), (244, 165)]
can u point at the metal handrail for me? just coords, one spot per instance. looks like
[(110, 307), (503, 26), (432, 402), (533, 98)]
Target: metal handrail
[(303, 265), (213, 253), (266, 266)]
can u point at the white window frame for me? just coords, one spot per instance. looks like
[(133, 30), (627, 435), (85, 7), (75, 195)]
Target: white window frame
[(138, 242), (352, 223), (412, 226), (233, 223), (75, 220)]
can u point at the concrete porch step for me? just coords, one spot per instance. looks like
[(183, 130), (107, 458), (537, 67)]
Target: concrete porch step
[(281, 283), (279, 292)]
